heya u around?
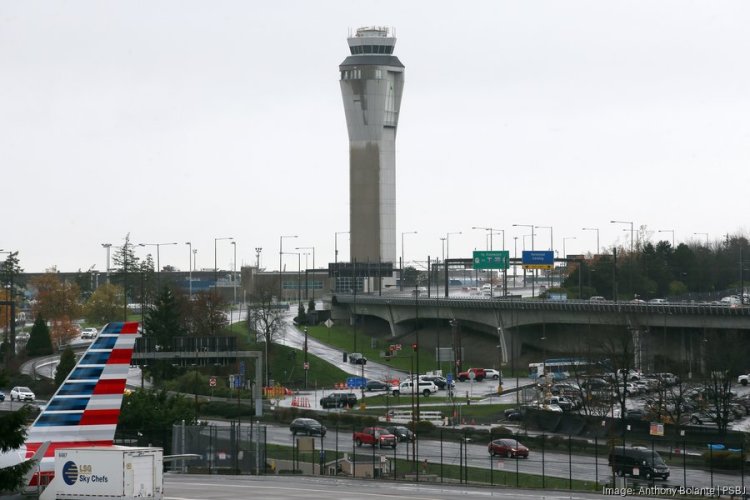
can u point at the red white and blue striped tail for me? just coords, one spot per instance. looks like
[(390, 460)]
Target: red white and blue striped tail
[(85, 409)]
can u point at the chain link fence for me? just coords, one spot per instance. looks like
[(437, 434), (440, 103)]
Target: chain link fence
[(463, 456)]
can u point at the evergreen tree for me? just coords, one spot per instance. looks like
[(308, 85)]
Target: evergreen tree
[(12, 436), (67, 363), (126, 268), (39, 343), (164, 320)]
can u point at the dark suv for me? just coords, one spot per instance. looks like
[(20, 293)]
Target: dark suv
[(339, 400), (308, 426)]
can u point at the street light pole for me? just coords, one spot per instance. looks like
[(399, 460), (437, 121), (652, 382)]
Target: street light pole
[(258, 250), (107, 246), (704, 234), (597, 236), (533, 277), (448, 243), (234, 273), (281, 252), (216, 266), (667, 231), (190, 267), (158, 265), (403, 262), (306, 268), (631, 231)]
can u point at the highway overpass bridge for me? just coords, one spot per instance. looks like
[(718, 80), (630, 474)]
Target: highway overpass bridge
[(523, 322)]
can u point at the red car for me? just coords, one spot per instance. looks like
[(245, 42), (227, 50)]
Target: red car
[(508, 447), (479, 374)]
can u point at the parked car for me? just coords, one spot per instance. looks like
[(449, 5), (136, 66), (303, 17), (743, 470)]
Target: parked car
[(658, 301), (419, 291), (401, 432), (440, 382), (743, 379), (424, 387), (492, 373), (635, 414), (377, 385), (356, 358), (597, 298), (2, 396), (564, 403), (339, 400), (308, 426), (479, 374), (510, 448)]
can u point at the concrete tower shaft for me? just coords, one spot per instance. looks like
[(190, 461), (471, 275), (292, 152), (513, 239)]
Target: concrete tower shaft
[(372, 82)]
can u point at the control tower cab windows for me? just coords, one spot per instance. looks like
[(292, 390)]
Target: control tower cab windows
[(372, 49)]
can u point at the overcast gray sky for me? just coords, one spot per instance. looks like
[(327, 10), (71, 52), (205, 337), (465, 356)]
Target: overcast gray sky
[(181, 121)]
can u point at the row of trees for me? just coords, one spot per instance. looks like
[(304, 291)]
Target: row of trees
[(661, 270)]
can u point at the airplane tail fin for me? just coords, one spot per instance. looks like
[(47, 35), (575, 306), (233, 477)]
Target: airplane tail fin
[(85, 409)]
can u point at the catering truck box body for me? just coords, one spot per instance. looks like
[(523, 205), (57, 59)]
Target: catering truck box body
[(112, 472)]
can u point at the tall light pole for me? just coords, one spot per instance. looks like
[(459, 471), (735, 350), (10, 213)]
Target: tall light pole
[(403, 262), (258, 250), (631, 231), (158, 265), (565, 256), (551, 242), (336, 245), (533, 277), (667, 231), (597, 236), (299, 272), (703, 234), (281, 253), (190, 267), (216, 264), (448, 243), (306, 275), (234, 272), (195, 258), (107, 246), (308, 253)]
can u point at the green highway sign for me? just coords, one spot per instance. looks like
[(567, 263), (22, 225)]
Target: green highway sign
[(491, 259)]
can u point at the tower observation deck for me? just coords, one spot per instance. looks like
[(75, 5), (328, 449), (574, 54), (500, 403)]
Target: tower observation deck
[(372, 82)]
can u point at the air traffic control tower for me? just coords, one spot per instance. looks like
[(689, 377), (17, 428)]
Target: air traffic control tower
[(372, 81)]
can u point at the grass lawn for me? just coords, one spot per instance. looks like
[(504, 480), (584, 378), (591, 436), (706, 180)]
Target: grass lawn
[(342, 337)]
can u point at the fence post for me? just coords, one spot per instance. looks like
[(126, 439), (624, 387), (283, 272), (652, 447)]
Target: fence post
[(544, 438), (492, 479), (684, 464), (354, 454), (395, 459), (517, 462), (570, 464), (596, 460), (441, 455)]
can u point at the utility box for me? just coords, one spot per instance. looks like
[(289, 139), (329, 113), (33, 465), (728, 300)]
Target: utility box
[(112, 472)]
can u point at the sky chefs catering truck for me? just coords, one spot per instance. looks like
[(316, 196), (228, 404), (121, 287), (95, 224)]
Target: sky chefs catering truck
[(113, 472)]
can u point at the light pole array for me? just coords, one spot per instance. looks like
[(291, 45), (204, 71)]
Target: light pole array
[(258, 250), (306, 269), (597, 236), (281, 253)]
